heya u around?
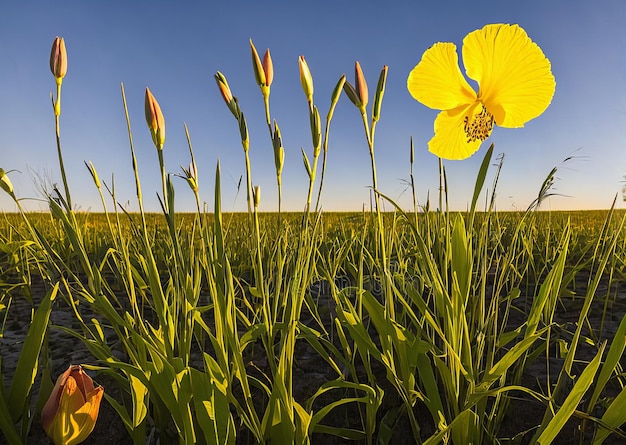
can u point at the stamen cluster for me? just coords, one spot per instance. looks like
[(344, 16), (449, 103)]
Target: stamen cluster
[(480, 125)]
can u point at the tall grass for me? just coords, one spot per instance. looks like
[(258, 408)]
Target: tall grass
[(423, 320)]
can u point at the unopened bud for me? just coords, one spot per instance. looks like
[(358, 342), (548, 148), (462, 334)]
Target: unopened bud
[(5, 183), (58, 59), (380, 92), (259, 73), (307, 164), (227, 95), (334, 97), (243, 131), (316, 131), (306, 80), (352, 94), (191, 176), (94, 174), (279, 151), (155, 120), (360, 85), (256, 195), (268, 67)]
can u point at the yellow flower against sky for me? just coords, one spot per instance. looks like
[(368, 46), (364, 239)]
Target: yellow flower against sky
[(515, 85)]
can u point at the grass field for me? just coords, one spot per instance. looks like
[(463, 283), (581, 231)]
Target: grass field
[(420, 325)]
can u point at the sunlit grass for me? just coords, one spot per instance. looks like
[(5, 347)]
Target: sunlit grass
[(422, 321)]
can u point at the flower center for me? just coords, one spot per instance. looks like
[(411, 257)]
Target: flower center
[(478, 126)]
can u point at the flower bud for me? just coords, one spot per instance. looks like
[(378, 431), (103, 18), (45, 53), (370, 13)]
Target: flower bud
[(268, 67), (58, 59), (352, 94), (256, 196), (279, 151), (380, 92), (155, 120), (227, 95), (334, 97), (259, 73), (94, 174), (306, 80), (316, 131), (307, 164), (360, 85), (5, 183), (71, 411), (243, 132), (191, 176)]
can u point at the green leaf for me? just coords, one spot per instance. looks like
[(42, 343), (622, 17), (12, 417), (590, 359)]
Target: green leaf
[(26, 369), (210, 398), (480, 179), (614, 417), (616, 350), (571, 402)]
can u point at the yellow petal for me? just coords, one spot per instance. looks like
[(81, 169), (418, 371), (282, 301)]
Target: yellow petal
[(437, 81), (450, 140), (516, 84), (76, 415), (87, 416)]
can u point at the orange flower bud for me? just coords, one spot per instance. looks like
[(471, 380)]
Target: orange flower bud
[(360, 85), (306, 79), (71, 411), (268, 67), (155, 120), (58, 59), (224, 88), (263, 71), (227, 95)]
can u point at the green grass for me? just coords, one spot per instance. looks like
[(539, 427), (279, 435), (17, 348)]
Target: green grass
[(424, 322)]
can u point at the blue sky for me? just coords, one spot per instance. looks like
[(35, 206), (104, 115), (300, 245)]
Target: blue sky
[(175, 48)]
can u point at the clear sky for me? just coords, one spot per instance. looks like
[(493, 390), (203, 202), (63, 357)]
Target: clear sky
[(175, 48)]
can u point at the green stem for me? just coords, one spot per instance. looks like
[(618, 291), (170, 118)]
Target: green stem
[(57, 114), (390, 310)]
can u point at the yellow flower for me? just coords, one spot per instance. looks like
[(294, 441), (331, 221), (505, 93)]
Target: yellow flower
[(70, 413), (515, 85)]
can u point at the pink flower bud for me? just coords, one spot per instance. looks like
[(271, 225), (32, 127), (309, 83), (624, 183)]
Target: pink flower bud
[(58, 58), (155, 120)]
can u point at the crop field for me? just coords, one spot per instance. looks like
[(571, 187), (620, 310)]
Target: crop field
[(226, 334), (417, 325)]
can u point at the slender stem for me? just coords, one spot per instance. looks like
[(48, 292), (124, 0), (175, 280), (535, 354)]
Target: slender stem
[(248, 181), (56, 105), (168, 211), (390, 310), (279, 183), (325, 148)]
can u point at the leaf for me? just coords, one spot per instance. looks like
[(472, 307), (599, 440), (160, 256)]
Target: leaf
[(571, 402), (614, 417), (26, 369)]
